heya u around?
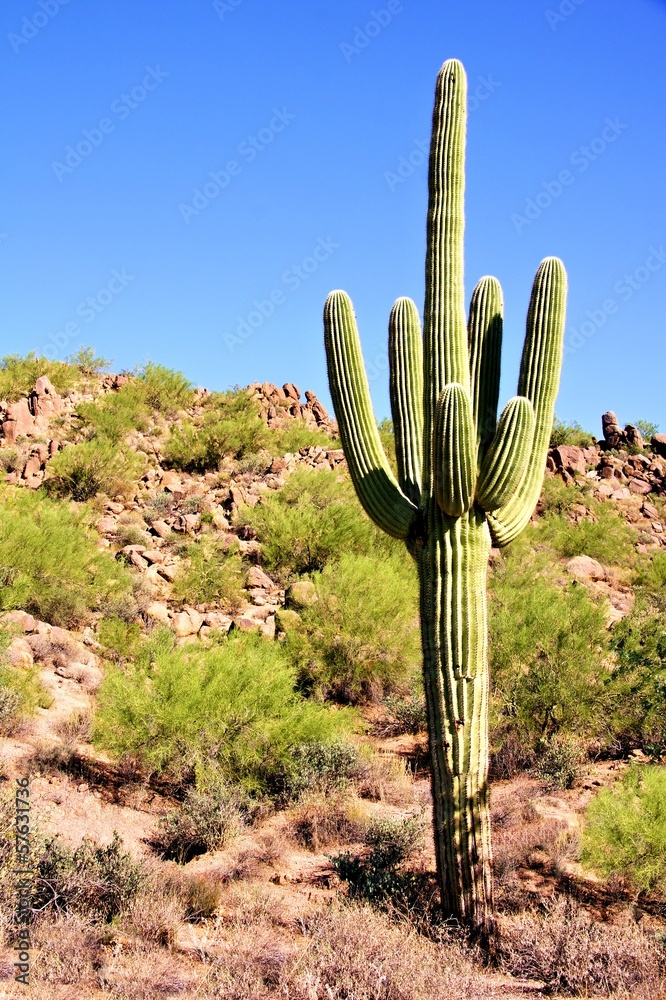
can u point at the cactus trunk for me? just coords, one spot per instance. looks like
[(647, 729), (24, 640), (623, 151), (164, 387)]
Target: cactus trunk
[(462, 475), (452, 568)]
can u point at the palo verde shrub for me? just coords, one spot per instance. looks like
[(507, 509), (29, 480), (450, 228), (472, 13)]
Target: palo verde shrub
[(164, 389), (211, 574), (81, 471), (19, 374), (49, 565), (361, 639), (229, 713), (314, 518), (625, 830), (296, 435), (608, 538), (549, 648), (639, 642), (230, 426), (571, 434)]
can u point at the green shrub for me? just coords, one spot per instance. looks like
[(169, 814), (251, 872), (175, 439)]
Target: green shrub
[(49, 565), (361, 639), (571, 434), (116, 414), (296, 435), (20, 690), (87, 362), (322, 766), (608, 538), (625, 830), (376, 877), (204, 822), (558, 498), (408, 714), (211, 575), (650, 574), (93, 880), (19, 374), (549, 648), (165, 390), (230, 711), (119, 639), (230, 426), (312, 519), (639, 641), (81, 471), (647, 428)]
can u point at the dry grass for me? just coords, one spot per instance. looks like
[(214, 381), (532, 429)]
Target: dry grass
[(321, 820), (384, 778), (573, 954)]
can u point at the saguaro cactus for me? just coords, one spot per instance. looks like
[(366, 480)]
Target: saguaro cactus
[(463, 478)]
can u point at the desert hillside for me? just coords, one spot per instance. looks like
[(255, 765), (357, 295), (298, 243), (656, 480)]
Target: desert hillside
[(211, 675)]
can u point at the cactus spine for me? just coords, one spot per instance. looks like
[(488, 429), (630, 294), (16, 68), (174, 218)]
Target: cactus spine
[(463, 478)]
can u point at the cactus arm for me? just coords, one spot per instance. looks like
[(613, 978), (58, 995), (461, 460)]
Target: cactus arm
[(375, 484), (484, 333), (406, 388), (454, 448), (446, 357), (506, 461), (539, 381)]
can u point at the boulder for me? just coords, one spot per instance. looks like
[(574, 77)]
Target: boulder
[(570, 459), (19, 652), (658, 444), (287, 620), (44, 401), (18, 421), (187, 622), (257, 578), (586, 568), (158, 612), (301, 594)]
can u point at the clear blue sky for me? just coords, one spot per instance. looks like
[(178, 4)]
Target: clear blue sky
[(305, 120)]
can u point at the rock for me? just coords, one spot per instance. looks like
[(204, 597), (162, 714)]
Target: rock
[(168, 572), (18, 421), (153, 555), (161, 529), (19, 652), (268, 627), (218, 621), (257, 578), (658, 444), (649, 510), (292, 391), (158, 612), (570, 459), (44, 401), (107, 524), (246, 624), (18, 620), (287, 620), (613, 433), (622, 494), (586, 568), (219, 520), (187, 622), (640, 486), (633, 436), (114, 507), (90, 677), (301, 594), (171, 482)]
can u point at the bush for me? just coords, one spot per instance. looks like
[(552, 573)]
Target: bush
[(19, 374), (164, 389), (87, 362), (651, 575), (81, 471), (321, 767), (571, 434), (205, 822), (231, 426), (608, 538), (647, 428), (360, 640), (639, 641), (625, 830), (50, 567), (408, 714), (94, 880), (229, 713), (375, 877), (211, 575), (548, 655), (296, 435), (314, 518), (116, 414)]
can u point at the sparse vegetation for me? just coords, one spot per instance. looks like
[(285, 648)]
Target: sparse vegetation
[(211, 574), (570, 434), (230, 426)]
